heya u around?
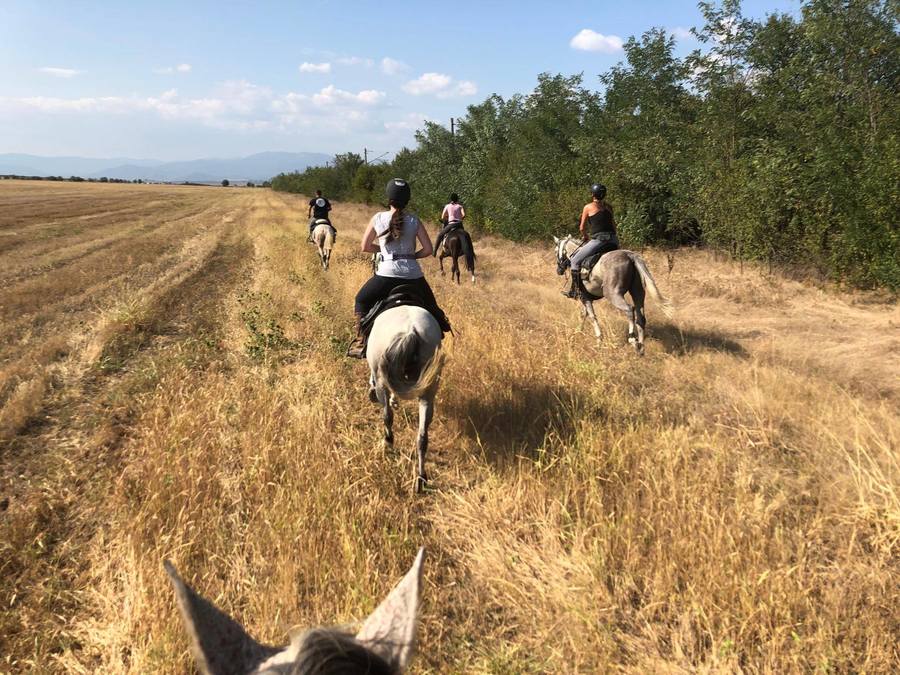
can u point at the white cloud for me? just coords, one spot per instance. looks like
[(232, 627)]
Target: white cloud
[(680, 33), (391, 66), (591, 41), (440, 85), (307, 67), (233, 105), (355, 61), (409, 122), (60, 72), (180, 68)]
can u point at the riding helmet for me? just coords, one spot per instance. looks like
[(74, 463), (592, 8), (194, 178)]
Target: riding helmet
[(598, 191), (454, 197), (397, 191), (320, 202)]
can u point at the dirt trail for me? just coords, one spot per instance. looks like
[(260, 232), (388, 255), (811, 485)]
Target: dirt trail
[(726, 502)]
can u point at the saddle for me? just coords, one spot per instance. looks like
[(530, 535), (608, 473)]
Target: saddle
[(405, 294), (588, 264)]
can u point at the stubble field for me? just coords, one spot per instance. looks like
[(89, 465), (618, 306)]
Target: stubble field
[(173, 385)]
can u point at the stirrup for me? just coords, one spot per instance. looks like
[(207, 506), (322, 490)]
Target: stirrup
[(357, 348)]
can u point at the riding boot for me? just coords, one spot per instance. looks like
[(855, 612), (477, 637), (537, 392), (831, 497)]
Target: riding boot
[(574, 286), (357, 348)]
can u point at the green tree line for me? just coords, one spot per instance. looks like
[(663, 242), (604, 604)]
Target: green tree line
[(777, 141)]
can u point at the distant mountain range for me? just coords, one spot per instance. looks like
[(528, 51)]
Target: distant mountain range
[(259, 167)]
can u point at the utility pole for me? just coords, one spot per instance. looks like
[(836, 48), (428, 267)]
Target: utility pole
[(365, 155), (452, 127)]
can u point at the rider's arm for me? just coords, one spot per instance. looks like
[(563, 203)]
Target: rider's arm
[(444, 215), (584, 217), (368, 243), (425, 240), (462, 212), (309, 211)]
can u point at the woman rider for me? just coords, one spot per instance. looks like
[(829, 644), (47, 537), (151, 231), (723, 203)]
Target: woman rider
[(394, 233), (598, 231), (452, 217)]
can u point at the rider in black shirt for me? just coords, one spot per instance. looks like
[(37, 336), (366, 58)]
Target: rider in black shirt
[(318, 210)]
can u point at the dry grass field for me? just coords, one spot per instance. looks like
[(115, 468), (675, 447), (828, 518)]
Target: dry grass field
[(173, 385)]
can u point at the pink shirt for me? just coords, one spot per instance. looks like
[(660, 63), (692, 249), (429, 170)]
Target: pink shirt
[(454, 211)]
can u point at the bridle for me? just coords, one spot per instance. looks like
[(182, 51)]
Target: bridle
[(562, 260)]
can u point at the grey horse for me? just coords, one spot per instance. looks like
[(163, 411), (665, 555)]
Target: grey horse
[(383, 646), (615, 274)]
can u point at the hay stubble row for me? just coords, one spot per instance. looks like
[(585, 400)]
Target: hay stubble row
[(173, 385)]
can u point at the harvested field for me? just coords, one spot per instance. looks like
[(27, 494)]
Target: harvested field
[(173, 385)]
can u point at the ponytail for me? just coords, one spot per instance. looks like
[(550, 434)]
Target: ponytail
[(396, 227)]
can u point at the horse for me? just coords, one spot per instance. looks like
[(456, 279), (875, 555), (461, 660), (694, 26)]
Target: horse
[(405, 362), (457, 244), (616, 273), (384, 644), (323, 238)]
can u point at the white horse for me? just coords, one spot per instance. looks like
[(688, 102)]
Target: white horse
[(323, 238), (384, 644), (405, 361), (615, 274)]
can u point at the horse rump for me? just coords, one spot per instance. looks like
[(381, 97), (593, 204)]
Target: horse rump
[(404, 370)]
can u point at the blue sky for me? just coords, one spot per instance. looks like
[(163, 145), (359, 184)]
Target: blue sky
[(181, 80)]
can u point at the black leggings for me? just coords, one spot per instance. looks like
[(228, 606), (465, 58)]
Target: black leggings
[(377, 288)]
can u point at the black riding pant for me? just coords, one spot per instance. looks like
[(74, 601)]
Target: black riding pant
[(378, 288)]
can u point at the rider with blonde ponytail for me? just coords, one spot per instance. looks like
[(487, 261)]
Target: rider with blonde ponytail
[(394, 234)]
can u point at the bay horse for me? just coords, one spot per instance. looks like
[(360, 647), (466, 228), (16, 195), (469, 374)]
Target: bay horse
[(323, 236), (455, 245), (612, 276), (384, 644), (405, 362)]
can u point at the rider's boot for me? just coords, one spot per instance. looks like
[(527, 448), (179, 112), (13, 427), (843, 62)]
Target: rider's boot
[(574, 286), (357, 348)]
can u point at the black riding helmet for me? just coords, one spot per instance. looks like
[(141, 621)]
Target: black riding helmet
[(598, 191), (397, 191)]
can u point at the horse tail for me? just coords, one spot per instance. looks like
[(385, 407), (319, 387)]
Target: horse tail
[(469, 250), (402, 369), (650, 284)]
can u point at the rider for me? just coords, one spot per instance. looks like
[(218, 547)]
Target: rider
[(598, 232), (394, 234), (318, 210), (452, 217)]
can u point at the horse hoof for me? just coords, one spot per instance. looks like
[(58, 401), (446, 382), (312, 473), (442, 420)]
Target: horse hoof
[(420, 485), (373, 396), (394, 402)]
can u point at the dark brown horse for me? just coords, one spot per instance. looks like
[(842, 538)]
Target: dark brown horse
[(456, 244)]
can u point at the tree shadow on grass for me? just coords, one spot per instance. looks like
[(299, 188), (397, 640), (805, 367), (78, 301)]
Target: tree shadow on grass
[(519, 422), (681, 342)]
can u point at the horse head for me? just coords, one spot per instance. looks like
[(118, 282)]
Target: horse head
[(384, 644), (562, 258)]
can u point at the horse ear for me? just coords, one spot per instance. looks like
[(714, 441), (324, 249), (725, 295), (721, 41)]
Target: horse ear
[(555, 239), (390, 631), (219, 643)]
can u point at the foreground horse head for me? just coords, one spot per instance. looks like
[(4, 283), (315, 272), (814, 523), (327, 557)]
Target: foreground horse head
[(405, 361), (455, 245), (384, 644), (615, 274), (323, 237)]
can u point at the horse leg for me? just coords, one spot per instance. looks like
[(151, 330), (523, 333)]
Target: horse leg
[(637, 297), (441, 261), (618, 301), (454, 273), (426, 413), (387, 414), (589, 312)]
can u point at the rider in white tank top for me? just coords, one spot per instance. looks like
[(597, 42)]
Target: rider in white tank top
[(398, 255)]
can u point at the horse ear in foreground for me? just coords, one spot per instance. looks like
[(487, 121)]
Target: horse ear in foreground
[(383, 646), (405, 361), (612, 276)]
